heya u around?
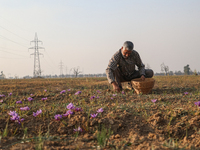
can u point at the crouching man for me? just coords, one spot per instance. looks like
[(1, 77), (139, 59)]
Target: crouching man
[(121, 67)]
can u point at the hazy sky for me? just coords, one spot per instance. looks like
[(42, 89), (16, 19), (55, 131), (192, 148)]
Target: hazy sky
[(87, 33)]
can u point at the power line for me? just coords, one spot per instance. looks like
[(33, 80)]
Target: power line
[(5, 38), (14, 33), (12, 49), (13, 24), (61, 68), (12, 53)]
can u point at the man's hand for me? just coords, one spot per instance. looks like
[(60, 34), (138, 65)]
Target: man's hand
[(143, 77), (115, 87)]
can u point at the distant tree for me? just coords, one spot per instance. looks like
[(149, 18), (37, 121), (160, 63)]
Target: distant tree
[(76, 71), (195, 72), (164, 68), (171, 73), (148, 66), (186, 70)]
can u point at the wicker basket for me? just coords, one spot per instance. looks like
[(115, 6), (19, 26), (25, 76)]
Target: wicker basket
[(143, 87)]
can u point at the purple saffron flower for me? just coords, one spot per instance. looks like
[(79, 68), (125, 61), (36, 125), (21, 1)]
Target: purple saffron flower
[(66, 114), (34, 114), (15, 117), (12, 113), (29, 99), (58, 117), (45, 90), (154, 100), (197, 103), (111, 98), (92, 97), (25, 108), (94, 115), (97, 97), (2, 95), (98, 91), (114, 95), (78, 129), (18, 102), (37, 113), (69, 90), (186, 93), (1, 101), (44, 98), (10, 94), (70, 106), (31, 94), (69, 112), (63, 91), (100, 110), (123, 92), (77, 93), (78, 109)]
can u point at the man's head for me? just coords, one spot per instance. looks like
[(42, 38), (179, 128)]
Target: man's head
[(127, 49)]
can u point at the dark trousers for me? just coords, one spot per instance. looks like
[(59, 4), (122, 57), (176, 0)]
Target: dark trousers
[(120, 78)]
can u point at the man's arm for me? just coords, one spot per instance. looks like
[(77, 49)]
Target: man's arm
[(140, 65)]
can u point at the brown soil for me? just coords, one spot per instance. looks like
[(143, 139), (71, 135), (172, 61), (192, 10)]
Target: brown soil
[(134, 122)]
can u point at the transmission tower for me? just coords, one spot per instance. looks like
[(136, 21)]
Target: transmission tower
[(61, 68), (37, 69)]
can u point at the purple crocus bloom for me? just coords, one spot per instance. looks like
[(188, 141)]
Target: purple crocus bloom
[(69, 90), (14, 117), (29, 99), (111, 98), (93, 115), (197, 103), (44, 98), (2, 95), (18, 102), (154, 100), (98, 91), (114, 95), (78, 129), (66, 114), (77, 93), (97, 97), (186, 93), (11, 113), (10, 94), (70, 106), (25, 108), (45, 90), (123, 92), (58, 117), (69, 112), (92, 97), (31, 94), (100, 110), (37, 113), (1, 101), (63, 91), (78, 109)]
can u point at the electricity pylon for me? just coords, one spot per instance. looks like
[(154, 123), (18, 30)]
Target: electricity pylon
[(37, 69), (61, 68)]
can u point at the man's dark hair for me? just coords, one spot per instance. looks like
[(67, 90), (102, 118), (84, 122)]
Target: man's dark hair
[(128, 45)]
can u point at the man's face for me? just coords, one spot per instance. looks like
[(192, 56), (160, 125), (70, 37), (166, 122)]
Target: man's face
[(126, 53)]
